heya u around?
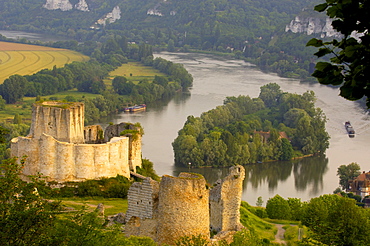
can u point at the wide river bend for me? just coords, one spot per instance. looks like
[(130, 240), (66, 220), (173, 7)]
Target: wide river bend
[(216, 78)]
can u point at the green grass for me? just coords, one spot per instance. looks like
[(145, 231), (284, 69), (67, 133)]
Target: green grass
[(291, 234), (283, 222), (136, 71), (262, 228), (111, 205)]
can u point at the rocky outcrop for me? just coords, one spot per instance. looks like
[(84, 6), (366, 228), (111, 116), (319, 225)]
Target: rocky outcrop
[(312, 25), (110, 17), (63, 5), (82, 5)]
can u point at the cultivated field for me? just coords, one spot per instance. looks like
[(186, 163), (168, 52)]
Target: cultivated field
[(136, 71), (24, 59)]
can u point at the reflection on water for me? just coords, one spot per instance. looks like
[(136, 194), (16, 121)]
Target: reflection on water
[(308, 174)]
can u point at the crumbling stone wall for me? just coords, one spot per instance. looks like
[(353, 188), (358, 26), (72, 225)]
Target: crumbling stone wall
[(63, 121), (134, 145), (93, 134), (184, 206), (143, 199), (56, 146), (225, 199)]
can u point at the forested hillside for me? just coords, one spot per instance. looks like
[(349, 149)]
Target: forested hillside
[(248, 29), (193, 22)]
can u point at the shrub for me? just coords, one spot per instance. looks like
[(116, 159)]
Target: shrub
[(278, 208)]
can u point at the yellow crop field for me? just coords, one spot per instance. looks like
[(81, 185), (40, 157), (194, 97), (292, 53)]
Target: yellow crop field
[(24, 59)]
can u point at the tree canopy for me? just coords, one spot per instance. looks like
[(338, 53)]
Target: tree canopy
[(347, 173), (349, 58), (336, 220), (275, 126)]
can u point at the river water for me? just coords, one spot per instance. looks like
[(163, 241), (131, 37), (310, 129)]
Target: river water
[(31, 36), (216, 78)]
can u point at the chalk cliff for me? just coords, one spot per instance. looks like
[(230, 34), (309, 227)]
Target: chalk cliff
[(63, 5), (82, 5), (312, 25), (110, 17)]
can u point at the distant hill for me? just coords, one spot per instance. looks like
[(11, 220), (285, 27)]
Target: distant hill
[(270, 33), (194, 22)]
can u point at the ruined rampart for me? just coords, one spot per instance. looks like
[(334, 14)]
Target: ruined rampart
[(63, 121), (225, 199), (184, 206), (60, 148)]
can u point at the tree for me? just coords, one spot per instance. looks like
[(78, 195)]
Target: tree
[(336, 220), (347, 173), (278, 208), (13, 88), (350, 57), (287, 150), (270, 94), (2, 103), (25, 218), (259, 201)]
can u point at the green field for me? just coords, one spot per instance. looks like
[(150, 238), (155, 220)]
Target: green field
[(112, 205), (136, 71), (24, 59)]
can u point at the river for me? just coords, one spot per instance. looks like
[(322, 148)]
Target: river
[(216, 78), (32, 36)]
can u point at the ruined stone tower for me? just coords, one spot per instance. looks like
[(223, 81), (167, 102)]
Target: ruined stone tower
[(57, 148), (184, 206), (63, 121), (225, 199)]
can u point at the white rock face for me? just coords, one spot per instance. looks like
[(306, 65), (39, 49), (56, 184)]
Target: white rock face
[(312, 25), (82, 5), (110, 17), (63, 5)]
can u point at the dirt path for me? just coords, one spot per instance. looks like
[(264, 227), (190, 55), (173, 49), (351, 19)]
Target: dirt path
[(279, 237)]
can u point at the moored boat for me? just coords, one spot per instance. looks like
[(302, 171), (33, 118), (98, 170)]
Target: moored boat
[(136, 108)]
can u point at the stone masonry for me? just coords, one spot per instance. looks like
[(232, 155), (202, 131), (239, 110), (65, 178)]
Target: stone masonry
[(184, 206), (57, 148)]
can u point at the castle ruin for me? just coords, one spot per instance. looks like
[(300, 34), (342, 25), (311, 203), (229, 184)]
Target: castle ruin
[(62, 149), (185, 206)]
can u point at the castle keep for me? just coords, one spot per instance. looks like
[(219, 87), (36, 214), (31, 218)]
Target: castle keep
[(61, 148), (185, 206)]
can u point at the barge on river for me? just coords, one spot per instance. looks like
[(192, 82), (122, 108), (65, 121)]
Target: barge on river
[(136, 108), (349, 128)]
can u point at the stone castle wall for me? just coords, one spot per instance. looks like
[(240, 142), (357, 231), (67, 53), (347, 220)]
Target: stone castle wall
[(62, 161), (143, 202), (225, 199), (55, 146), (63, 121), (184, 206)]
